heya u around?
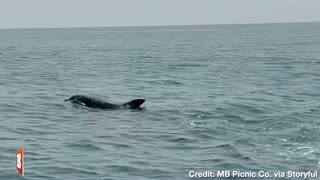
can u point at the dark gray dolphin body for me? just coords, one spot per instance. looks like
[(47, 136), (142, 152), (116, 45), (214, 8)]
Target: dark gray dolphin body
[(97, 103)]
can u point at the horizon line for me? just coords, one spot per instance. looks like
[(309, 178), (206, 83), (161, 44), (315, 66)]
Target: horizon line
[(168, 25)]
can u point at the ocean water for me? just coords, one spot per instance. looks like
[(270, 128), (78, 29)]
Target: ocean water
[(222, 97)]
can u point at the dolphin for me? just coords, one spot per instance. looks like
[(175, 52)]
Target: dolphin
[(98, 103)]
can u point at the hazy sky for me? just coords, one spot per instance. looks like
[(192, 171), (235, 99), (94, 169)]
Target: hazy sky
[(84, 13)]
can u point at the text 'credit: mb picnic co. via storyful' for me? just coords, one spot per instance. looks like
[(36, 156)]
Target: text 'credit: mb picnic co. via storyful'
[(253, 174)]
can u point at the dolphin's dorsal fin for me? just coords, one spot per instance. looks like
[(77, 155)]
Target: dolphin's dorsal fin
[(134, 104)]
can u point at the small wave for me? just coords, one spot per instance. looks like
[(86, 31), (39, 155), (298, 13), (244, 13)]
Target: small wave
[(171, 82), (120, 145), (46, 171), (146, 171), (247, 108), (85, 146), (31, 131), (32, 37), (301, 150), (248, 142), (25, 57), (165, 82), (275, 125), (194, 123), (200, 116), (307, 134), (147, 57), (299, 44), (234, 166), (183, 140), (232, 118), (190, 65)]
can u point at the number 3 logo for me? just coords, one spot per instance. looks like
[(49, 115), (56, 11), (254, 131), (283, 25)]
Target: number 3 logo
[(19, 163)]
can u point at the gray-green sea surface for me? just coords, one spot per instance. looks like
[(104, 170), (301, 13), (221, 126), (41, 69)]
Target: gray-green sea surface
[(220, 97)]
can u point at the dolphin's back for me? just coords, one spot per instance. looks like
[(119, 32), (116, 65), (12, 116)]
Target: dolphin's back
[(97, 103), (92, 102)]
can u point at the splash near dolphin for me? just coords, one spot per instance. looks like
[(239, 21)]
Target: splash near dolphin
[(101, 104)]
